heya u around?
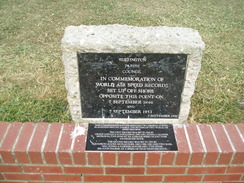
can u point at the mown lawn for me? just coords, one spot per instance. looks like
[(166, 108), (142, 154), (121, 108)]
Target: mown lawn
[(31, 70)]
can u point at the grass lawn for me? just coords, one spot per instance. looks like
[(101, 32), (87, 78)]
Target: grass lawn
[(31, 69)]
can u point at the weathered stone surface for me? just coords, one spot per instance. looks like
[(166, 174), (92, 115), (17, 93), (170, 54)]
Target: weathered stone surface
[(129, 39)]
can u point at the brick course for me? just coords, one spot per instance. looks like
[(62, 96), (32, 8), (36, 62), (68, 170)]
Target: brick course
[(43, 152)]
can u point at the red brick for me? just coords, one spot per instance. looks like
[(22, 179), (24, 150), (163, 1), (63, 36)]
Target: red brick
[(183, 178), (22, 144), (124, 170), (109, 158), (232, 177), (225, 158), (124, 158), (166, 170), (3, 128), (23, 177), (10, 168), (50, 157), (79, 146), (55, 177), (239, 158), (182, 158), (1, 177), (7, 144), (11, 181), (237, 142), (102, 178), (83, 170), (46, 182), (224, 144), (51, 143), (153, 158), (36, 143), (197, 158), (79, 158), (210, 144), (42, 169), (206, 170), (183, 148), (94, 158), (143, 178), (196, 145), (211, 158), (139, 158), (65, 157), (79, 143), (168, 158), (64, 150), (241, 128), (236, 169)]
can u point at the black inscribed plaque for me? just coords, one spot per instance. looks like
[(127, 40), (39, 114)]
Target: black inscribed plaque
[(121, 85), (130, 137)]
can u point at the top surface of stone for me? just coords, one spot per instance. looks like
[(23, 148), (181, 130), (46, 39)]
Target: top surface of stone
[(128, 35)]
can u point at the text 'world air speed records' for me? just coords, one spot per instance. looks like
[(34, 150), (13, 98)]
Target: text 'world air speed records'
[(131, 85)]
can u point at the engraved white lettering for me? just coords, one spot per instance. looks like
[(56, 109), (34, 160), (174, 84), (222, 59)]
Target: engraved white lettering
[(144, 59), (122, 90), (146, 96), (120, 85), (109, 90), (156, 85), (132, 66), (145, 90), (131, 96), (105, 84), (131, 71), (148, 79), (103, 78), (147, 111), (111, 96), (131, 90), (127, 111), (134, 85), (160, 79), (127, 102), (147, 102)]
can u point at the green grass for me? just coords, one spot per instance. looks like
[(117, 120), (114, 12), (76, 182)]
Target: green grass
[(31, 70)]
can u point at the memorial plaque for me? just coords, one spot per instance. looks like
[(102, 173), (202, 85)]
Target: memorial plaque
[(130, 137), (122, 85)]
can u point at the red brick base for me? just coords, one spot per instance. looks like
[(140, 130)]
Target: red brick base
[(43, 152)]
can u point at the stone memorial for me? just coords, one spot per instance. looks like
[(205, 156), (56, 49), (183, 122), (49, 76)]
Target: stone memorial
[(120, 73)]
